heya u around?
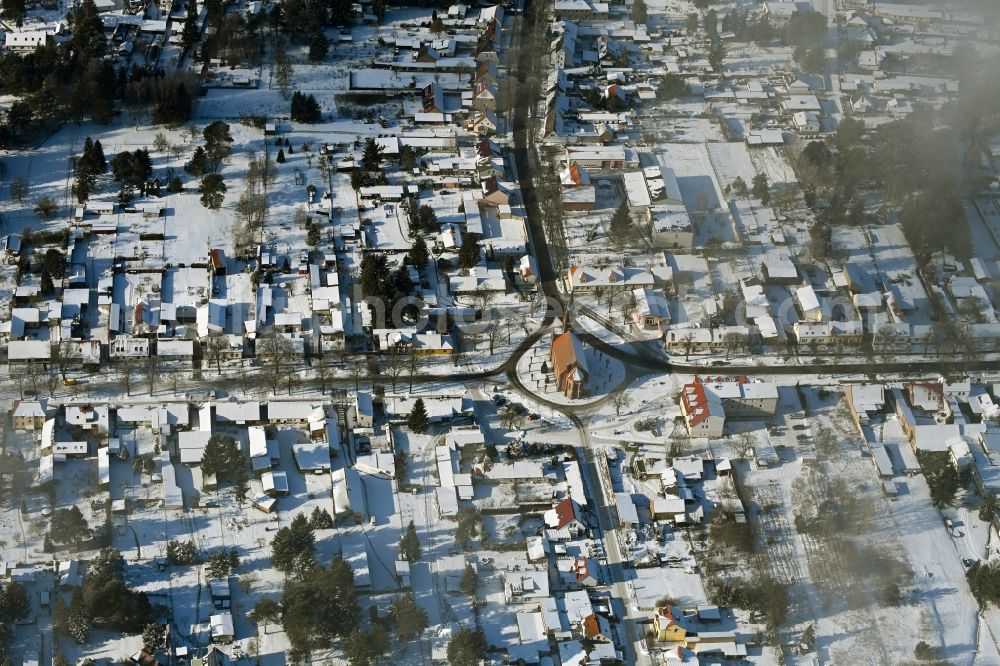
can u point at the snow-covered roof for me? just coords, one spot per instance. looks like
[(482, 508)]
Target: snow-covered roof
[(274, 482), (30, 409), (237, 412), (285, 410), (191, 445), (311, 456), (222, 625)]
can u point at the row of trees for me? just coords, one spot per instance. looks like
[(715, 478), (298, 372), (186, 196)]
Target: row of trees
[(104, 600), (318, 603), (206, 162), (224, 459), (318, 606), (910, 163), (382, 286), (305, 108), (14, 606), (89, 166), (71, 81), (716, 50)]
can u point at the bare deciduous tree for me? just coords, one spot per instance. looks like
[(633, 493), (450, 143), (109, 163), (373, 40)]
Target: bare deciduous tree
[(395, 363), (689, 342), (494, 333), (621, 401), (126, 368), (323, 371), (151, 368), (274, 351), (215, 347), (52, 380), (60, 357), (19, 375), (742, 445), (19, 190), (734, 342)]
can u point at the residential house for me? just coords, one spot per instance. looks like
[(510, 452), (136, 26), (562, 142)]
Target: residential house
[(618, 278), (526, 586), (828, 333), (484, 97), (483, 123), (364, 411), (222, 627), (29, 415), (865, 401), (578, 194), (809, 303), (274, 484), (494, 194), (670, 227), (584, 574), (665, 626), (651, 311), (432, 97), (566, 515), (26, 41), (29, 351), (707, 403), (702, 410), (927, 397)]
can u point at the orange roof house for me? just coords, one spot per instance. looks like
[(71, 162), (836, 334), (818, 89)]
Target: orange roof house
[(666, 627), (703, 412), (584, 574), (565, 515)]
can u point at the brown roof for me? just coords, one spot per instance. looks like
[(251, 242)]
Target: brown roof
[(564, 352), (565, 513), (590, 626)]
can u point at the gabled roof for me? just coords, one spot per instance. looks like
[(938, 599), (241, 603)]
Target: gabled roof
[(928, 396), (699, 404), (487, 148), (29, 409), (567, 351), (566, 512), (591, 628), (575, 175)]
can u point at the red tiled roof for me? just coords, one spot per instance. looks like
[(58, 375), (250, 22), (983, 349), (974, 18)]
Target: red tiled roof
[(695, 402), (574, 173), (564, 354), (565, 513), (216, 257), (590, 626)]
